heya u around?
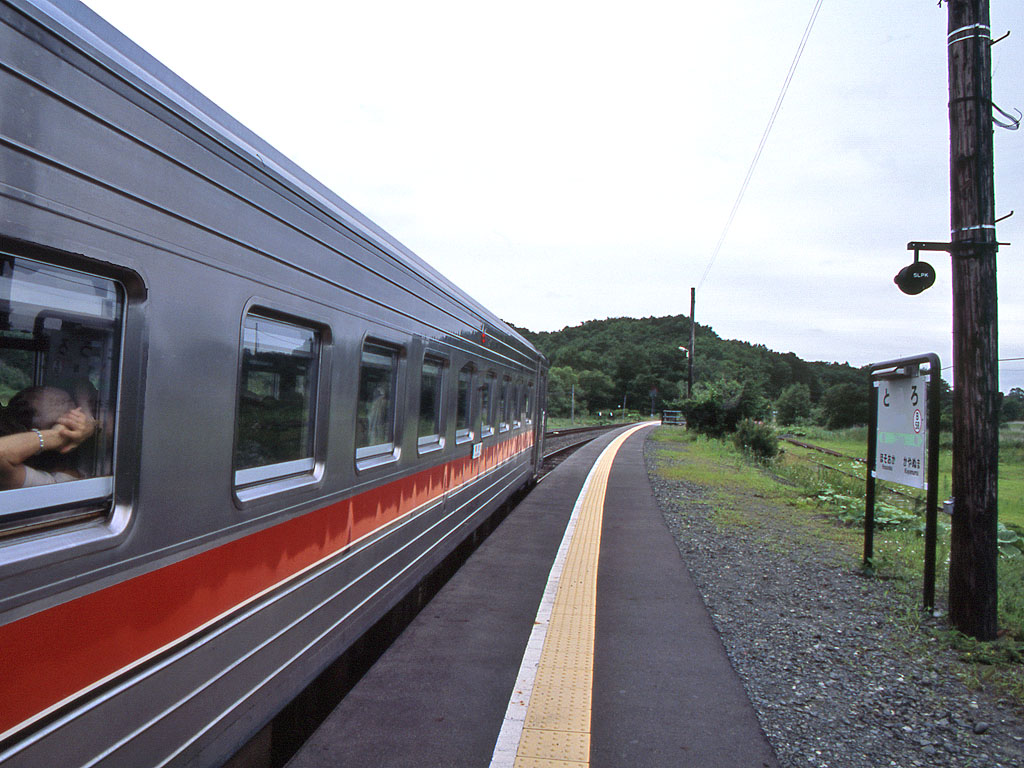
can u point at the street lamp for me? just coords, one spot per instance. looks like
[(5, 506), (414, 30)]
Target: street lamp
[(689, 376)]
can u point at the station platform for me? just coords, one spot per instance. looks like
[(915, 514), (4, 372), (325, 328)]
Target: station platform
[(573, 636)]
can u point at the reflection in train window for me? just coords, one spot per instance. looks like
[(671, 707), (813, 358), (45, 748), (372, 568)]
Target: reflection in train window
[(375, 415), (60, 339), (463, 406), (430, 431), (487, 405), (275, 409)]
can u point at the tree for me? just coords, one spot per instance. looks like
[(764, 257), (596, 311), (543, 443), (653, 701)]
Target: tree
[(639, 354), (845, 405), (1013, 405), (561, 382), (598, 389), (716, 409), (793, 404)]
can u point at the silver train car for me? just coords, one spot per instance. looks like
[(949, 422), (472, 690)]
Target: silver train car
[(240, 421)]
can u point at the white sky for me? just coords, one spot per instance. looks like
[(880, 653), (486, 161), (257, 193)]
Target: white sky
[(564, 161)]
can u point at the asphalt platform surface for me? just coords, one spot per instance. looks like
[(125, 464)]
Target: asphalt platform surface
[(664, 692)]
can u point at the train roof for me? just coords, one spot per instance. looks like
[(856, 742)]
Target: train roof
[(98, 39)]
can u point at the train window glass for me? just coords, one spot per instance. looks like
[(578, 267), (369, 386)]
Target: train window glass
[(463, 406), (375, 415), (429, 430), (60, 342), (504, 404), (275, 408), (487, 405), (528, 404), (517, 405)]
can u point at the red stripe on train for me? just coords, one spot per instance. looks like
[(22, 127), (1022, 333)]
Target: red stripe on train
[(53, 655)]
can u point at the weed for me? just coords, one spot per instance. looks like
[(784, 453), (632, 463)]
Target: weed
[(758, 438)]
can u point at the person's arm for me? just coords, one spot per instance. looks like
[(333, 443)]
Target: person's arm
[(16, 448), (70, 431)]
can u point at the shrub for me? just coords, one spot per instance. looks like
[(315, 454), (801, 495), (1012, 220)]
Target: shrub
[(759, 439), (845, 405), (794, 404), (716, 409)]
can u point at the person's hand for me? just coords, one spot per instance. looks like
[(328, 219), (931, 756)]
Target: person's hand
[(74, 428)]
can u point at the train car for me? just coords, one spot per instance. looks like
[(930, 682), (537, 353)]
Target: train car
[(240, 421)]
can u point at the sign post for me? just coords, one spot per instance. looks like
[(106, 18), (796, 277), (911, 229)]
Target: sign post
[(903, 445)]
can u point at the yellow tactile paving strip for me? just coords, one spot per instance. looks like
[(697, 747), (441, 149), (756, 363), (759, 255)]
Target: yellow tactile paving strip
[(556, 732)]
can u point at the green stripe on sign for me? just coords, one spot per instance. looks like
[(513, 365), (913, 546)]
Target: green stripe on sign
[(912, 441)]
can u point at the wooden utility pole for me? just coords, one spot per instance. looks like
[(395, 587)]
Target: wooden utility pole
[(974, 549), (693, 339)]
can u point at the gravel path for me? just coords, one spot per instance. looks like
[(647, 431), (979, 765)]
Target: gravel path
[(824, 664)]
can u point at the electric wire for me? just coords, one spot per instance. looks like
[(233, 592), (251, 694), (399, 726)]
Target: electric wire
[(1000, 360), (764, 140)]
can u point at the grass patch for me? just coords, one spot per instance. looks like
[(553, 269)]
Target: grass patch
[(714, 464), (593, 420), (820, 506), (853, 442)]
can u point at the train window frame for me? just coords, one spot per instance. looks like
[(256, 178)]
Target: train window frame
[(435, 439), (372, 353), (57, 299), (504, 404), (273, 477), (464, 404), (486, 390)]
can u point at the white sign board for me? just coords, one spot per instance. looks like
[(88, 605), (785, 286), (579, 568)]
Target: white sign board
[(902, 430)]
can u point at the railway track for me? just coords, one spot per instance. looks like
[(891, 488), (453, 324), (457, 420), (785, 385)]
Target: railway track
[(819, 449), (560, 443), (824, 465)]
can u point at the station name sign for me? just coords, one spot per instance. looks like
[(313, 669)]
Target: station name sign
[(901, 446)]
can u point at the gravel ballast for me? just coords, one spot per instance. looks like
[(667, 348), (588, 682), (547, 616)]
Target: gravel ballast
[(835, 680)]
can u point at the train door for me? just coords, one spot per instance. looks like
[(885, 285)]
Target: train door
[(538, 411)]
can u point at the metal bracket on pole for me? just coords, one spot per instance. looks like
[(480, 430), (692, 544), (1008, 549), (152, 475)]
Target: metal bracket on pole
[(952, 248)]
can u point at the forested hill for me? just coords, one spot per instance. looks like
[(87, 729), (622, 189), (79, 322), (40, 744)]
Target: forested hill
[(609, 359)]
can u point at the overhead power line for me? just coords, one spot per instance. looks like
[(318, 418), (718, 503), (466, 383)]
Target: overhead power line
[(764, 139)]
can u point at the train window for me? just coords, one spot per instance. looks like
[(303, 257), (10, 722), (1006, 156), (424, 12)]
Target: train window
[(505, 404), (60, 342), (528, 404), (276, 401), (517, 405), (375, 415), (487, 405), (430, 431), (464, 406)]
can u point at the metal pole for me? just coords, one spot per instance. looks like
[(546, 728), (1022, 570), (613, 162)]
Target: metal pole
[(693, 339), (931, 524), (869, 491)]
